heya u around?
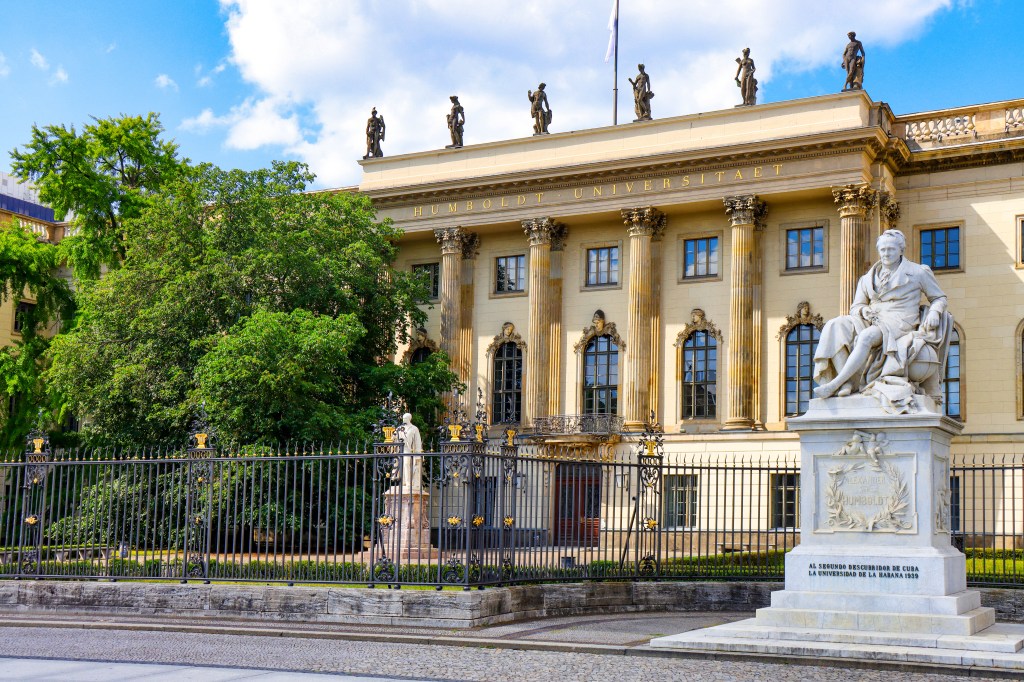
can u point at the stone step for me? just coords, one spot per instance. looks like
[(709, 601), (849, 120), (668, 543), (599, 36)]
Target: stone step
[(950, 605), (996, 647), (967, 623)]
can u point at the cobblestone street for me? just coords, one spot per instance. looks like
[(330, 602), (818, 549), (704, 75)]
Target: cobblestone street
[(319, 649)]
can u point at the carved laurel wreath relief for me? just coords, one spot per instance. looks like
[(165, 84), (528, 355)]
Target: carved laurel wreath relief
[(892, 515)]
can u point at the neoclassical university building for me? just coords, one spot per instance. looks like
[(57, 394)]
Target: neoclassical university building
[(685, 266)]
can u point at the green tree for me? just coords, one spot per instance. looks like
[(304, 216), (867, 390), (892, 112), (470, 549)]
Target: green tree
[(104, 175), (277, 306), (28, 266)]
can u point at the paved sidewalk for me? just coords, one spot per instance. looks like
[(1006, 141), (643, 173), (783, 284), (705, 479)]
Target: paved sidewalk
[(597, 647), (44, 670)]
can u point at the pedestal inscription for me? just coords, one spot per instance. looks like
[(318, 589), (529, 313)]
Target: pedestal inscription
[(864, 488)]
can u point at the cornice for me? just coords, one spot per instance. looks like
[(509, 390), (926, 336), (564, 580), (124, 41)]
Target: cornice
[(870, 140), (971, 155)]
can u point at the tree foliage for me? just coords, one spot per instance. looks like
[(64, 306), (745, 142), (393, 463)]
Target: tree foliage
[(277, 307), (104, 175)]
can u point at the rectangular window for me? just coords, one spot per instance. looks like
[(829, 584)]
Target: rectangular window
[(805, 248), (700, 257), (431, 273), (21, 312), (1020, 240), (940, 248), (509, 274), (681, 498), (954, 504), (785, 500), (603, 266)]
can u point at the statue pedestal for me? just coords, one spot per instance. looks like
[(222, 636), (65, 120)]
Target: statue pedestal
[(410, 539), (874, 575)]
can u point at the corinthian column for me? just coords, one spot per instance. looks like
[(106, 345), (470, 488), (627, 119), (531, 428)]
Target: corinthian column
[(744, 212), (451, 240), (539, 231), (641, 223), (854, 203)]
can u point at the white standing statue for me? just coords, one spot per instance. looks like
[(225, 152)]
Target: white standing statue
[(412, 462), (890, 346)]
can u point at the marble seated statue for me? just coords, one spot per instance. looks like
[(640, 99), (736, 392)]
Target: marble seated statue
[(890, 346)]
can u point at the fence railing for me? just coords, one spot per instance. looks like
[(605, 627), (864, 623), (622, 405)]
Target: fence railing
[(471, 514)]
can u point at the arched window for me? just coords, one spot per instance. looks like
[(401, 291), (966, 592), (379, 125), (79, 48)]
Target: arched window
[(801, 341), (953, 402), (507, 395), (700, 372), (419, 355), (601, 376)]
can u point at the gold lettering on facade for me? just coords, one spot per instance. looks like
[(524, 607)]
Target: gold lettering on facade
[(433, 210), (738, 176), (540, 195), (648, 186), (487, 203), (469, 205), (520, 200), (504, 202), (757, 171), (453, 206), (598, 191), (613, 189), (417, 211), (578, 192), (666, 183), (777, 167), (720, 174), (702, 178), (629, 187)]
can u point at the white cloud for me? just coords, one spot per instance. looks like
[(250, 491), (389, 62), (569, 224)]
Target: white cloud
[(330, 63), (38, 60), (206, 80), (110, 48), (60, 76), (4, 68), (165, 82)]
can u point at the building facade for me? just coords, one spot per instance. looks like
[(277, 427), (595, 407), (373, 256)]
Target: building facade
[(684, 266)]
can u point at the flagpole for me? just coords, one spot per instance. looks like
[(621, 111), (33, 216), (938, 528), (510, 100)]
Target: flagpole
[(615, 76)]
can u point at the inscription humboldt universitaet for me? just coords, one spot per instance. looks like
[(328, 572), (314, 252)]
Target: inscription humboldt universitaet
[(692, 180)]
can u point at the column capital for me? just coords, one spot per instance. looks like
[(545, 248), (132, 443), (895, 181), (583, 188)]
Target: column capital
[(456, 240), (745, 209), (643, 221), (890, 210), (544, 231), (854, 199)]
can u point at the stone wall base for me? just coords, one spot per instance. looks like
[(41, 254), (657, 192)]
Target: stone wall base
[(278, 603)]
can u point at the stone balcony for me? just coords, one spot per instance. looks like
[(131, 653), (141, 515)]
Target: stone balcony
[(962, 125)]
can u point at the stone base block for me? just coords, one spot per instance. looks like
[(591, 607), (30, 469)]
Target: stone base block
[(924, 571), (998, 646), (964, 624), (949, 605)]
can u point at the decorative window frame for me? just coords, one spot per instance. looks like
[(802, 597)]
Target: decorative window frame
[(803, 316), (1019, 364), (508, 334), (915, 248), (784, 229), (493, 281), (429, 261), (698, 323), (590, 333), (419, 340), (963, 373), (584, 248), (1018, 222), (681, 240), (15, 308)]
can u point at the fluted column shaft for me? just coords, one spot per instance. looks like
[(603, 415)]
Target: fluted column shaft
[(641, 223), (744, 213), (539, 231), (854, 203)]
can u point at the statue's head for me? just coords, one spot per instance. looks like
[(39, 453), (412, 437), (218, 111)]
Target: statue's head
[(852, 35), (541, 86), (641, 67), (696, 316), (508, 329), (454, 99), (406, 418), (891, 244), (374, 112), (598, 321), (746, 52), (803, 309)]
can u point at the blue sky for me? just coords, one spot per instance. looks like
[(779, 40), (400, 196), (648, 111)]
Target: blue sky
[(242, 82)]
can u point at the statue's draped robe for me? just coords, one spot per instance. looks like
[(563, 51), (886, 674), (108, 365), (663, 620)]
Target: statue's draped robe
[(897, 305)]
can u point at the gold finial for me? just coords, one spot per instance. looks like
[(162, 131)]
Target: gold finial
[(455, 430), (201, 440), (479, 433), (389, 434), (510, 434), (38, 443), (650, 445)]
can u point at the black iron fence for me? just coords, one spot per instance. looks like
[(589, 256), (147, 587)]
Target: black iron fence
[(469, 514)]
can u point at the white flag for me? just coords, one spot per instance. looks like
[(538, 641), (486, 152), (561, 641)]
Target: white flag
[(613, 26)]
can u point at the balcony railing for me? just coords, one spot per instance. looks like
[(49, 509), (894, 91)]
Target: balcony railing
[(578, 424), (960, 125)]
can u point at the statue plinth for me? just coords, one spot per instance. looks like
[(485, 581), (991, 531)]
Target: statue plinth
[(410, 539), (875, 569)]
